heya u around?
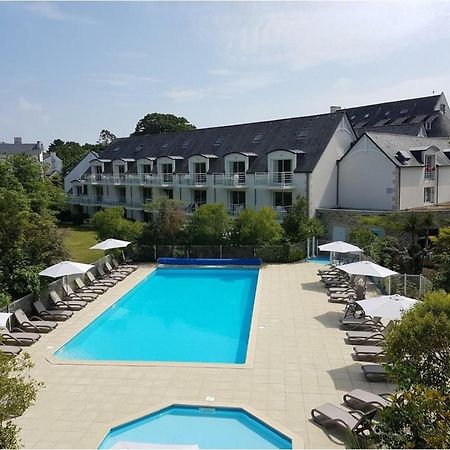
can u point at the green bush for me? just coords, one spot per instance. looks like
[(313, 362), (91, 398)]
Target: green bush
[(110, 223), (418, 346), (417, 418)]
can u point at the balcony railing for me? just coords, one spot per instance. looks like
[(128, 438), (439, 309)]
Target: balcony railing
[(195, 179), (238, 179), (279, 179)]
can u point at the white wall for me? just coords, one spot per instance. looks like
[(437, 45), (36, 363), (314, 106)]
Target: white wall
[(367, 178), (78, 171), (443, 184), (323, 180)]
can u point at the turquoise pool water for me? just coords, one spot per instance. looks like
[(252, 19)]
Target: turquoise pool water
[(320, 259), (205, 427), (175, 314)]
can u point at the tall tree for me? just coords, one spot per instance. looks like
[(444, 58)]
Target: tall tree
[(210, 224), (158, 123), (106, 137)]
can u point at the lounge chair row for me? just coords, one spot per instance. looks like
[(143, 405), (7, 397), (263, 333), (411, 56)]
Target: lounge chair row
[(365, 406), (29, 330), (341, 287)]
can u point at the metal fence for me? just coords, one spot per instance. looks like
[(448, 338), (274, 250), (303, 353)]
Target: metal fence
[(409, 285)]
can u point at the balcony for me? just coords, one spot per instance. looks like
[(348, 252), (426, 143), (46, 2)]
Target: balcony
[(98, 200), (278, 180), (233, 180), (195, 179)]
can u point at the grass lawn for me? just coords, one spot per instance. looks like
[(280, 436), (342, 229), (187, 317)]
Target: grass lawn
[(78, 240)]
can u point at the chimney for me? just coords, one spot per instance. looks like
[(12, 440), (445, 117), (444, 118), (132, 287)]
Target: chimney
[(17, 140), (334, 109)]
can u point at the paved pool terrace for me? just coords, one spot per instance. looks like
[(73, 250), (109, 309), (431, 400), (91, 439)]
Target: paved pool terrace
[(298, 361)]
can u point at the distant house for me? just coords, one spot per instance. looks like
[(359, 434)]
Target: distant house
[(53, 163)]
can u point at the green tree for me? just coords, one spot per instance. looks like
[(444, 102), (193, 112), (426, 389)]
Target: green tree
[(17, 393), (418, 347), (106, 138), (441, 258), (297, 224), (110, 223), (362, 237), (428, 221), (158, 123), (71, 153), (210, 224), (418, 417), (167, 221), (256, 227)]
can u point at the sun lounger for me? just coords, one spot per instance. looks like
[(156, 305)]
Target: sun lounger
[(124, 265), (351, 420), (101, 282), (99, 289), (71, 294), (110, 276), (35, 324), (342, 297), (362, 323), (18, 337), (51, 314), (10, 350), (121, 267), (358, 398), (365, 337), (116, 272), (368, 352), (67, 303), (374, 372)]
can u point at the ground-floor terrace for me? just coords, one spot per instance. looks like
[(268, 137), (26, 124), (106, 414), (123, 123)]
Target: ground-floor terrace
[(299, 361)]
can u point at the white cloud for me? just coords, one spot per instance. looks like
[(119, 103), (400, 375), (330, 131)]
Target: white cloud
[(25, 105), (306, 34), (122, 79), (183, 95), (53, 11)]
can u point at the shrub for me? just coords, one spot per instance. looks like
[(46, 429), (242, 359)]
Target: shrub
[(256, 227), (210, 224), (110, 223), (417, 418), (17, 392), (419, 345)]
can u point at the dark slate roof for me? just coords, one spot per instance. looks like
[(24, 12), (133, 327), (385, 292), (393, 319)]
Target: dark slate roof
[(16, 149), (391, 144), (410, 129), (402, 112), (309, 134)]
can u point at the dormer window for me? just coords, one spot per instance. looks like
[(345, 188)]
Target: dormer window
[(257, 138), (219, 141)]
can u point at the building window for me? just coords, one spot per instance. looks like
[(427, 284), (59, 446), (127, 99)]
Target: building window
[(99, 193), (199, 197), (442, 107), (146, 168), (146, 195), (428, 195), (282, 199), (430, 167), (167, 193), (121, 195), (237, 198)]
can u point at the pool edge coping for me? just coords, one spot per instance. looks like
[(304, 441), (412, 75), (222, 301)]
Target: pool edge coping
[(296, 440), (249, 360)]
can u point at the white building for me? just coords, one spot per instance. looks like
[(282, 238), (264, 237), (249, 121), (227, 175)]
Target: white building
[(271, 163), (51, 161)]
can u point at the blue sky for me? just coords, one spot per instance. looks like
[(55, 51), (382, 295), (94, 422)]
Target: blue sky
[(70, 69)]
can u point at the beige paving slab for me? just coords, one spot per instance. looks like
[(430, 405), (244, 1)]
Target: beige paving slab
[(299, 362)]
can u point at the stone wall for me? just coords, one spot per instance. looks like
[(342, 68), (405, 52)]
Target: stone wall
[(348, 218)]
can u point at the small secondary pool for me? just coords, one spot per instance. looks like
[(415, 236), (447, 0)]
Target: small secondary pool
[(175, 314), (196, 427)]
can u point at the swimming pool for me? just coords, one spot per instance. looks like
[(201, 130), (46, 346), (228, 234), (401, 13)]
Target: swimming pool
[(175, 314), (197, 427)]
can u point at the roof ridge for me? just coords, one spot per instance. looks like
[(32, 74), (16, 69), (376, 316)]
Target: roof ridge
[(393, 101)]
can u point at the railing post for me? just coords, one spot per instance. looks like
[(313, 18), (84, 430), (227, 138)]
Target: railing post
[(420, 285), (154, 252), (307, 248), (220, 251)]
